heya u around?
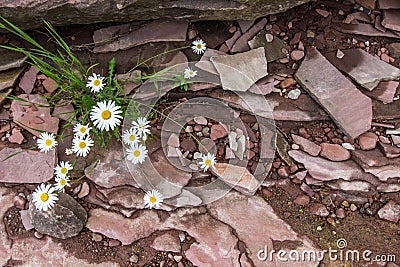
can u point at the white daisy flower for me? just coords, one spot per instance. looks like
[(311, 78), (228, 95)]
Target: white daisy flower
[(153, 198), (68, 151), (61, 182), (207, 161), (81, 130), (137, 153), (46, 142), (199, 46), (81, 146), (62, 169), (105, 115), (44, 198), (95, 83), (130, 137), (189, 73), (141, 125)]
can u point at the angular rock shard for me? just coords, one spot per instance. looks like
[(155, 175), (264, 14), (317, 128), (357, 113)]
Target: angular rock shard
[(156, 31), (346, 105), (30, 115), (240, 71), (364, 68), (238, 177)]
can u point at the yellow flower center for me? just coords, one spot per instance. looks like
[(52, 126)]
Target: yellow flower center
[(63, 182), (132, 138), (82, 145), (64, 170), (136, 153), (208, 162), (44, 197), (48, 142), (153, 199), (199, 46), (106, 114), (96, 82), (82, 130), (190, 73)]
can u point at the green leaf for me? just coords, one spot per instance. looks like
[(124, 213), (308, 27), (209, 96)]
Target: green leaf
[(88, 102)]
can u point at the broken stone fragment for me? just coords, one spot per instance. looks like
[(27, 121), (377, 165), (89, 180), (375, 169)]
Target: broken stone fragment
[(335, 93), (238, 177), (240, 71), (31, 115), (364, 68), (66, 219), (390, 212)]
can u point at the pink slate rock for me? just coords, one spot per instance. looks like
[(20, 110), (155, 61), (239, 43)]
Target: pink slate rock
[(32, 116), (390, 212), (334, 152), (306, 145), (218, 131), (368, 141), (27, 166), (297, 55), (28, 80)]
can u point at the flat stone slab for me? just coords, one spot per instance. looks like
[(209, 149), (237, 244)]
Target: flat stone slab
[(240, 71), (363, 29), (335, 93), (9, 77), (11, 59), (374, 162), (389, 4), (126, 230), (30, 115), (261, 228), (391, 19), (26, 166), (364, 68), (156, 31), (326, 170), (385, 91)]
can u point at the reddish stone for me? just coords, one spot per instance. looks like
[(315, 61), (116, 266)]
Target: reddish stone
[(389, 4), (28, 80), (334, 152), (322, 12), (319, 210), (218, 131), (335, 93), (390, 212), (288, 82), (362, 29), (340, 213), (302, 200), (391, 19), (16, 137), (33, 116), (50, 85), (241, 44), (385, 91), (297, 55), (283, 172), (370, 4), (367, 141), (307, 145)]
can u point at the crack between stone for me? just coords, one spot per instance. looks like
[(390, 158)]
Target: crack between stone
[(233, 231)]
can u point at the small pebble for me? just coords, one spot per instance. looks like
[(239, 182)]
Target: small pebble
[(177, 258), (134, 258), (269, 37), (38, 235), (353, 207)]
